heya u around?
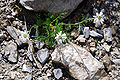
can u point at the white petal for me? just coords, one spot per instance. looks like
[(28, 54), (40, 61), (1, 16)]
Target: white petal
[(57, 36), (97, 22), (64, 35), (59, 41), (97, 14), (100, 14), (94, 21), (60, 33)]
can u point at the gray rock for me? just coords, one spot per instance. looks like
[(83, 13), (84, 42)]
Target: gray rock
[(115, 54), (106, 61), (28, 77), (12, 58), (78, 60), (81, 39), (13, 74), (0, 56), (30, 50), (86, 32), (26, 68), (3, 9), (56, 6), (11, 51), (43, 55), (116, 72), (93, 49), (95, 34), (92, 44), (108, 34), (106, 47), (57, 73), (43, 78), (1, 77), (116, 61), (14, 33)]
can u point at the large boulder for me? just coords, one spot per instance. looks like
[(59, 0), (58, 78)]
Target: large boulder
[(82, 65), (52, 6)]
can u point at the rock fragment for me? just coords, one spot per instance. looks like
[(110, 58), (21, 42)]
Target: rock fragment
[(13, 74), (26, 68), (86, 32), (106, 61), (78, 60), (106, 47), (108, 34), (95, 34), (43, 78), (14, 33), (0, 56), (12, 58), (11, 51), (28, 77), (57, 73), (81, 39), (30, 50), (116, 61), (43, 55)]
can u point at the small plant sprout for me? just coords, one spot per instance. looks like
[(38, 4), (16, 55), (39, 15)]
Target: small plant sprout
[(24, 36), (99, 18), (60, 37)]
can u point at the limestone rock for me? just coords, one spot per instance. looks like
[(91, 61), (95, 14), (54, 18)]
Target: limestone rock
[(95, 34), (14, 33), (82, 65), (108, 34), (43, 78), (86, 32), (57, 73), (0, 57), (11, 51), (106, 47), (30, 50), (56, 6), (42, 55), (81, 39), (28, 77), (26, 68)]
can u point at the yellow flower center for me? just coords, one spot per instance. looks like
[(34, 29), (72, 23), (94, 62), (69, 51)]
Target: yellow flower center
[(25, 35), (60, 37), (99, 17)]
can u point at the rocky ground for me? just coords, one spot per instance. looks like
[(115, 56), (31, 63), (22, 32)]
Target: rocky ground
[(94, 54)]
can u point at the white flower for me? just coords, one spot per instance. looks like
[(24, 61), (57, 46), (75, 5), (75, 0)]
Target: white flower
[(99, 18), (24, 36), (60, 37)]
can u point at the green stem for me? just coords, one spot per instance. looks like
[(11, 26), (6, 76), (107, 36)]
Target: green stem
[(78, 22)]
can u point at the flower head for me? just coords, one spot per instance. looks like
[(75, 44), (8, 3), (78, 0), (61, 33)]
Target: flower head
[(99, 18), (60, 37), (24, 36)]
